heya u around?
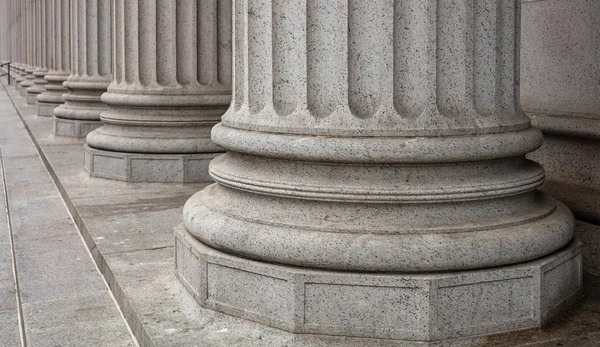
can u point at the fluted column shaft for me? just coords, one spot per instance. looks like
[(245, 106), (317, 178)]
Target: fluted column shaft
[(30, 48), (44, 40), (171, 77), (91, 69), (60, 67), (20, 62), (22, 43)]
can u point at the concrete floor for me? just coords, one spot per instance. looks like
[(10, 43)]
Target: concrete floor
[(94, 260)]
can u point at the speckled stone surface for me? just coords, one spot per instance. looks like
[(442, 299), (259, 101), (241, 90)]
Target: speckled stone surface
[(60, 57), (372, 138), (167, 93), (91, 72)]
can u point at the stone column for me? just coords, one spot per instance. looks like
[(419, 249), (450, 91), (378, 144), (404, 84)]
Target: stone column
[(561, 93), (22, 42), (60, 69), (375, 182), (166, 94), (18, 64), (43, 41), (91, 75), (30, 26)]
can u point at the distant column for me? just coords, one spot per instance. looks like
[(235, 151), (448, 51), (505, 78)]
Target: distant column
[(60, 67), (43, 42), (166, 94), (91, 74), (30, 48)]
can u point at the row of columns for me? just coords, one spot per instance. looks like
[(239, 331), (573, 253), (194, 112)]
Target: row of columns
[(375, 180)]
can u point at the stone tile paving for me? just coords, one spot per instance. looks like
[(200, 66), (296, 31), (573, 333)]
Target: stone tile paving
[(63, 298)]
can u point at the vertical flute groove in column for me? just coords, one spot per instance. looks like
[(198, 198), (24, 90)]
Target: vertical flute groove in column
[(172, 83), (30, 48), (43, 40), (375, 150), (61, 62), (91, 69)]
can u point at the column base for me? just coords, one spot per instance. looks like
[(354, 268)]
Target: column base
[(24, 90), (18, 84), (32, 98), (417, 307), (74, 127), (46, 109), (144, 167)]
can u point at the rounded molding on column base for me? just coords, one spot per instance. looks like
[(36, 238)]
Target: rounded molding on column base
[(74, 127), (18, 84), (46, 109), (144, 167), (416, 307)]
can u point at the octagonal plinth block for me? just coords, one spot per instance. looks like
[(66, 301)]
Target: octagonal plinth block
[(74, 127), (46, 109), (417, 307), (143, 167)]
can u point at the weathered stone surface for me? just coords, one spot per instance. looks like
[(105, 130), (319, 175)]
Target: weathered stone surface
[(166, 94)]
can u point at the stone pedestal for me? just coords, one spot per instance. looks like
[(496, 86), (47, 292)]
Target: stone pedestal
[(166, 94), (91, 75), (61, 58), (559, 81), (43, 39), (375, 182)]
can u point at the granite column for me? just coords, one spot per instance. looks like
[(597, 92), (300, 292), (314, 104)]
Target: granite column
[(170, 85), (19, 61), (22, 43), (91, 69), (375, 182), (43, 42), (31, 49), (60, 51)]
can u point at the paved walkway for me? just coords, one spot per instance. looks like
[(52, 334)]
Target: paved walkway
[(51, 292)]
